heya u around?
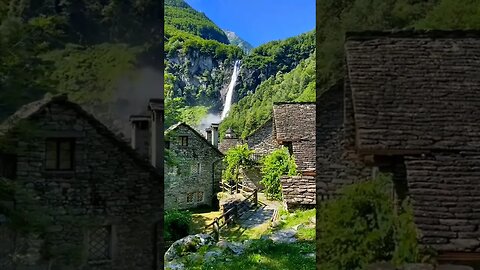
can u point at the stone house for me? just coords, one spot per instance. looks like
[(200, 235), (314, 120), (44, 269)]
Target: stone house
[(410, 106), (293, 126), (192, 178), (105, 199)]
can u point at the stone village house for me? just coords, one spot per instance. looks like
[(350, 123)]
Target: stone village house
[(194, 178), (410, 105), (293, 126), (82, 172)]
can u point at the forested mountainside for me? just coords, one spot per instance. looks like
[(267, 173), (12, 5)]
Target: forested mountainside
[(252, 111), (84, 48), (199, 63), (199, 60)]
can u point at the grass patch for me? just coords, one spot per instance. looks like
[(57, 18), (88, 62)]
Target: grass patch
[(237, 233), (264, 254), (303, 219), (296, 218), (201, 220)]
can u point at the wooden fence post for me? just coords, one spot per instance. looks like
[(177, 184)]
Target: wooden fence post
[(255, 197), (216, 230)]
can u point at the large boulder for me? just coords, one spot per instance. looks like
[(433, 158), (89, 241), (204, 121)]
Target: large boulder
[(187, 245)]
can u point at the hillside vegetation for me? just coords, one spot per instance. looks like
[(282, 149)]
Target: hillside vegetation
[(255, 109), (83, 48)]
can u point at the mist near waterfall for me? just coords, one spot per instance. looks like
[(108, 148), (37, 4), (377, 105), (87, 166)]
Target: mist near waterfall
[(132, 95), (207, 121)]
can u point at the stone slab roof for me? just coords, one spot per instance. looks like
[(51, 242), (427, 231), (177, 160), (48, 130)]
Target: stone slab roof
[(294, 121), (414, 90), (28, 111), (175, 126), (299, 190)]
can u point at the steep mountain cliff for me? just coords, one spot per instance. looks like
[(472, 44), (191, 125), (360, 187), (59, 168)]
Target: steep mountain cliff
[(199, 67), (238, 41)]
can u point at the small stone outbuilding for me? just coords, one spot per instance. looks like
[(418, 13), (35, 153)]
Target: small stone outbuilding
[(410, 106), (292, 126), (192, 178), (105, 200)]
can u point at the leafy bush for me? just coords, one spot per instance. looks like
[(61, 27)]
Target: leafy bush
[(274, 165), (361, 227), (177, 224), (235, 159)]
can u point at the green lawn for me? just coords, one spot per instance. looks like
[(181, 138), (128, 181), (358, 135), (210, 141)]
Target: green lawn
[(264, 253)]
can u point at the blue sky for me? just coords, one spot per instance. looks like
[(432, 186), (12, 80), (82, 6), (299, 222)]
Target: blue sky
[(260, 21)]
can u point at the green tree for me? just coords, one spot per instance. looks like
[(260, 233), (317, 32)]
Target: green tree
[(235, 159), (275, 165)]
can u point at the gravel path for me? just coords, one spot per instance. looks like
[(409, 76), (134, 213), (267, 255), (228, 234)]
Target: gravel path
[(261, 215)]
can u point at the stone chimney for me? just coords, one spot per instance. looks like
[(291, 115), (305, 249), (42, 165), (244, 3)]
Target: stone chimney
[(214, 128), (155, 106), (140, 133), (209, 134)]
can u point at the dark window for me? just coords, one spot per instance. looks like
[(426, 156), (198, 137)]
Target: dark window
[(200, 196), (196, 168), (190, 197), (100, 244), (8, 166), (143, 125), (59, 154), (184, 140), (289, 146)]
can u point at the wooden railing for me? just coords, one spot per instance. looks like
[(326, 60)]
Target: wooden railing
[(236, 211)]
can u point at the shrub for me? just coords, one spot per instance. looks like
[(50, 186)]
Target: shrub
[(236, 158), (274, 165), (177, 224), (361, 227)]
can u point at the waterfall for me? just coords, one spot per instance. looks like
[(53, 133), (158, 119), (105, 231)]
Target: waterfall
[(231, 87)]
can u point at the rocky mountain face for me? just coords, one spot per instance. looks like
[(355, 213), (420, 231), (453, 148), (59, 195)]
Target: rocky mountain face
[(200, 78), (238, 41)]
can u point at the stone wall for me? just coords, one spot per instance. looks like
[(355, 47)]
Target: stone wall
[(337, 164), (446, 198), (262, 141), (298, 192), (304, 153), (295, 123), (107, 186), (183, 178)]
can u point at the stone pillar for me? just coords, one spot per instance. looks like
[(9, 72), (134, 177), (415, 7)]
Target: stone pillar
[(140, 133), (214, 128), (155, 107), (209, 134)]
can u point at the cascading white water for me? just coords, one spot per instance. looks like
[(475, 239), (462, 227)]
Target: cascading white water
[(231, 87)]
